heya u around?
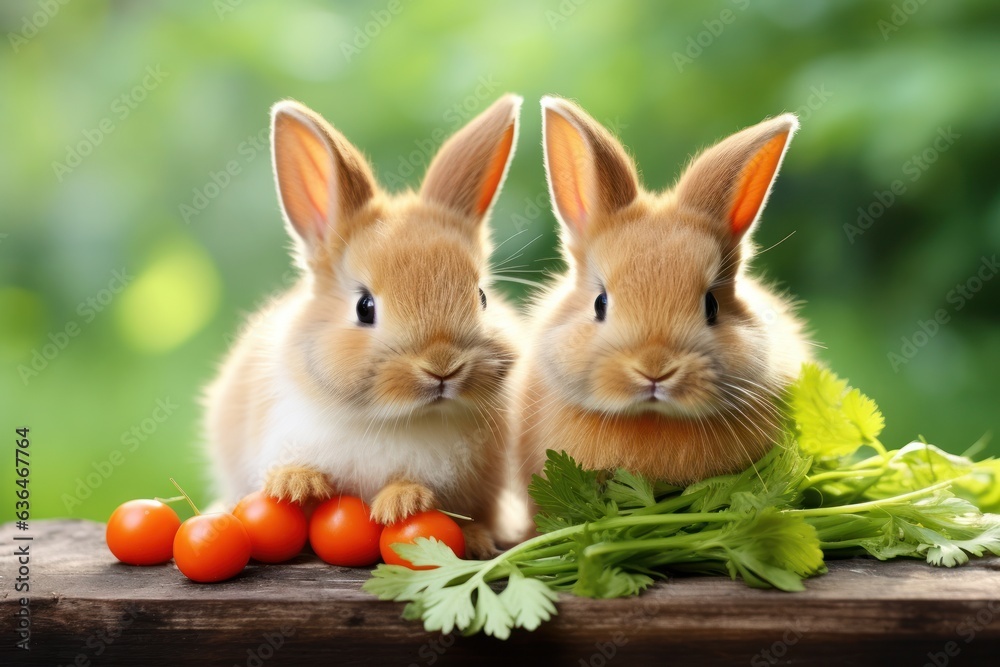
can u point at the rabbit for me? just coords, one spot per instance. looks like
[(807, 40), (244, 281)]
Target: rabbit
[(382, 373), (655, 351)]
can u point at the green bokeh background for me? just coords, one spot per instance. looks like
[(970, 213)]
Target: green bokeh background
[(873, 82)]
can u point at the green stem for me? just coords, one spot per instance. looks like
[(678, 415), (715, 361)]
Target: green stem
[(877, 461), (500, 563), (552, 568), (549, 542), (872, 504), (612, 523), (172, 499), (840, 474), (565, 579), (660, 520), (554, 550), (544, 538), (673, 543), (186, 496), (667, 505), (878, 447), (515, 554), (840, 544)]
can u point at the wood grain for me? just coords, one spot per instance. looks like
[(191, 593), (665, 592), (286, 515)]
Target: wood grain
[(87, 609)]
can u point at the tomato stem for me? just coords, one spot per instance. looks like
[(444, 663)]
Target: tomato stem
[(186, 497), (172, 499)]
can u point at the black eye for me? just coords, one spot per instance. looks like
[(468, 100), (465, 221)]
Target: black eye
[(482, 297), (366, 309), (711, 308), (601, 306)]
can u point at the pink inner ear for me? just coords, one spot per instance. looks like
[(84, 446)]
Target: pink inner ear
[(305, 171), (319, 197), (494, 173), (569, 169), (581, 208), (580, 158), (754, 182)]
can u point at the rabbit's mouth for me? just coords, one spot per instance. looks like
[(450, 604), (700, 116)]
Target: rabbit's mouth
[(677, 395), (441, 399), (670, 407), (444, 406), (444, 395), (441, 387), (674, 392)]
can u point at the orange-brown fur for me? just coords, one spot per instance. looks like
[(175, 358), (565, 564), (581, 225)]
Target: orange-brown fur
[(297, 483), (424, 256), (580, 386)]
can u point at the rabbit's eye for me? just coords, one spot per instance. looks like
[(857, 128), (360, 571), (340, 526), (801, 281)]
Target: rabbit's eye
[(366, 309), (601, 306), (482, 297), (711, 308)]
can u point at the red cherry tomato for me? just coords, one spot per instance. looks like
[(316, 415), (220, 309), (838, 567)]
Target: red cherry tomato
[(423, 524), (277, 528), (141, 532), (211, 547), (342, 532)]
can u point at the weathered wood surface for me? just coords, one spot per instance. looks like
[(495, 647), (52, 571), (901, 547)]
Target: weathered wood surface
[(87, 609)]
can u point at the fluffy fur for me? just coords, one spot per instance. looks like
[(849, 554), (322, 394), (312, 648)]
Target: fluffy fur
[(407, 413), (655, 387)]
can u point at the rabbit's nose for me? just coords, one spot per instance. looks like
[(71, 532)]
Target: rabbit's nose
[(662, 377), (440, 359), (443, 376)]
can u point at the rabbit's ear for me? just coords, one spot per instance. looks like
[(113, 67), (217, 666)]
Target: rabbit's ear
[(731, 180), (468, 170), (322, 179), (589, 173)]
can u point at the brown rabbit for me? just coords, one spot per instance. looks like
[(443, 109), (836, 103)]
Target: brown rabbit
[(382, 372), (655, 351)]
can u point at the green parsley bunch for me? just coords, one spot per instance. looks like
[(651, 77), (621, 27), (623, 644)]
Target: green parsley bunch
[(828, 489)]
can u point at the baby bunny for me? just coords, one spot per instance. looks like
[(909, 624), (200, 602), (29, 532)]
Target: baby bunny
[(382, 372), (655, 351)]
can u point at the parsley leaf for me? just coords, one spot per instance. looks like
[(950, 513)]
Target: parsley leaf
[(567, 494), (831, 420), (606, 534)]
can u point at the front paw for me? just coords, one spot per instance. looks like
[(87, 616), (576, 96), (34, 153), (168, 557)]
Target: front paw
[(399, 500), (479, 544), (297, 484)]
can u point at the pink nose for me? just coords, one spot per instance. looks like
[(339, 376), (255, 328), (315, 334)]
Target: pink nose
[(661, 378), (446, 376)]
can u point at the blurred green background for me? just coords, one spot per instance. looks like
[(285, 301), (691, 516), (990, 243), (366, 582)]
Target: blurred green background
[(140, 223)]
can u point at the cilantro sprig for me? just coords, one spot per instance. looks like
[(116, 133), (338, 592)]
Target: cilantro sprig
[(827, 489)]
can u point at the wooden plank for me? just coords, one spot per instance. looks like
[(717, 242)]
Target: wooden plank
[(88, 609)]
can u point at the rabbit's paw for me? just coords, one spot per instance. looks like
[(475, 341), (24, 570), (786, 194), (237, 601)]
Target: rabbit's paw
[(479, 542), (399, 500), (297, 484)]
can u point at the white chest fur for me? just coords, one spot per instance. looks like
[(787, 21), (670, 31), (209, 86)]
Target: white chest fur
[(359, 455)]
